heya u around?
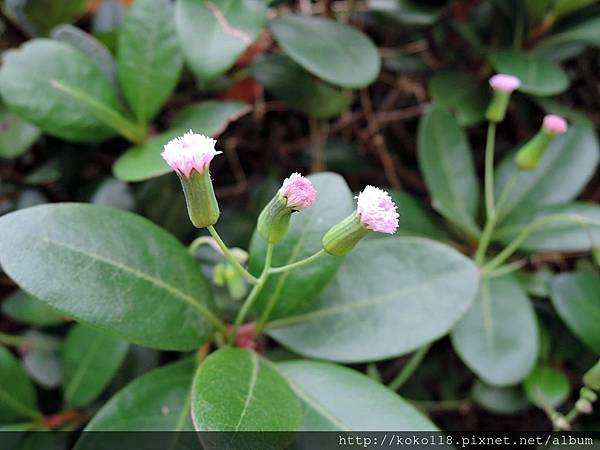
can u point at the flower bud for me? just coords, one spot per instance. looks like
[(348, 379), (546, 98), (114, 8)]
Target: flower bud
[(503, 86), (561, 422), (587, 394), (375, 211), (592, 377), (584, 406), (296, 193), (530, 155), (190, 156)]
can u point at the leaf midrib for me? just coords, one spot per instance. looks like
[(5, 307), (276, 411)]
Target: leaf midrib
[(333, 310), (155, 281), (251, 387)]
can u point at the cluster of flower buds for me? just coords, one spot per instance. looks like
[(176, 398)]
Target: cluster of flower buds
[(190, 156), (530, 155)]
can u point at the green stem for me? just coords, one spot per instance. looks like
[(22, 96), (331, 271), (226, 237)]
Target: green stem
[(12, 340), (231, 257), (515, 244), (409, 368), (199, 242), (485, 240), (489, 171), (503, 270), (300, 263)]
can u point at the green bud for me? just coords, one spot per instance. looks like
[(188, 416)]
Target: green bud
[(587, 394), (342, 237), (529, 156), (498, 106), (274, 219), (592, 377), (235, 283), (583, 406), (219, 274), (202, 205)]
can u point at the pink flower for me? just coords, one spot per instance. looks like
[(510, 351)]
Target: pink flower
[(555, 124), (504, 83), (377, 210), (190, 152), (298, 191)]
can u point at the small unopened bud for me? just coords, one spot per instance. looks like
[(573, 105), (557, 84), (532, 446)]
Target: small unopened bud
[(296, 193), (375, 211), (531, 154), (592, 377), (584, 406), (561, 423), (503, 86), (190, 156), (587, 394)]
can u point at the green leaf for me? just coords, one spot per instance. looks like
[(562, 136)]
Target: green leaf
[(149, 56), (90, 46), (465, 96), (416, 219), (390, 297), (287, 81), (563, 7), (144, 161), (42, 360), (156, 401), (59, 89), (575, 298), (294, 290), (563, 235), (237, 390), (546, 387), (16, 135), (585, 32), (499, 400), (538, 76), (336, 398), (498, 338), (568, 165), (333, 51), (90, 360), (226, 28), (112, 269), (406, 12), (17, 395), (46, 15), (447, 165), (25, 308)]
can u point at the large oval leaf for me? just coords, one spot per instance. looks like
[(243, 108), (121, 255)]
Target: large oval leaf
[(149, 56), (90, 360), (17, 395), (287, 81), (59, 89), (447, 164), (390, 297), (576, 298), (144, 161), (109, 268), (237, 390), (225, 29), (498, 337), (336, 398), (562, 235), (157, 401), (294, 291), (538, 76), (328, 49), (567, 166)]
